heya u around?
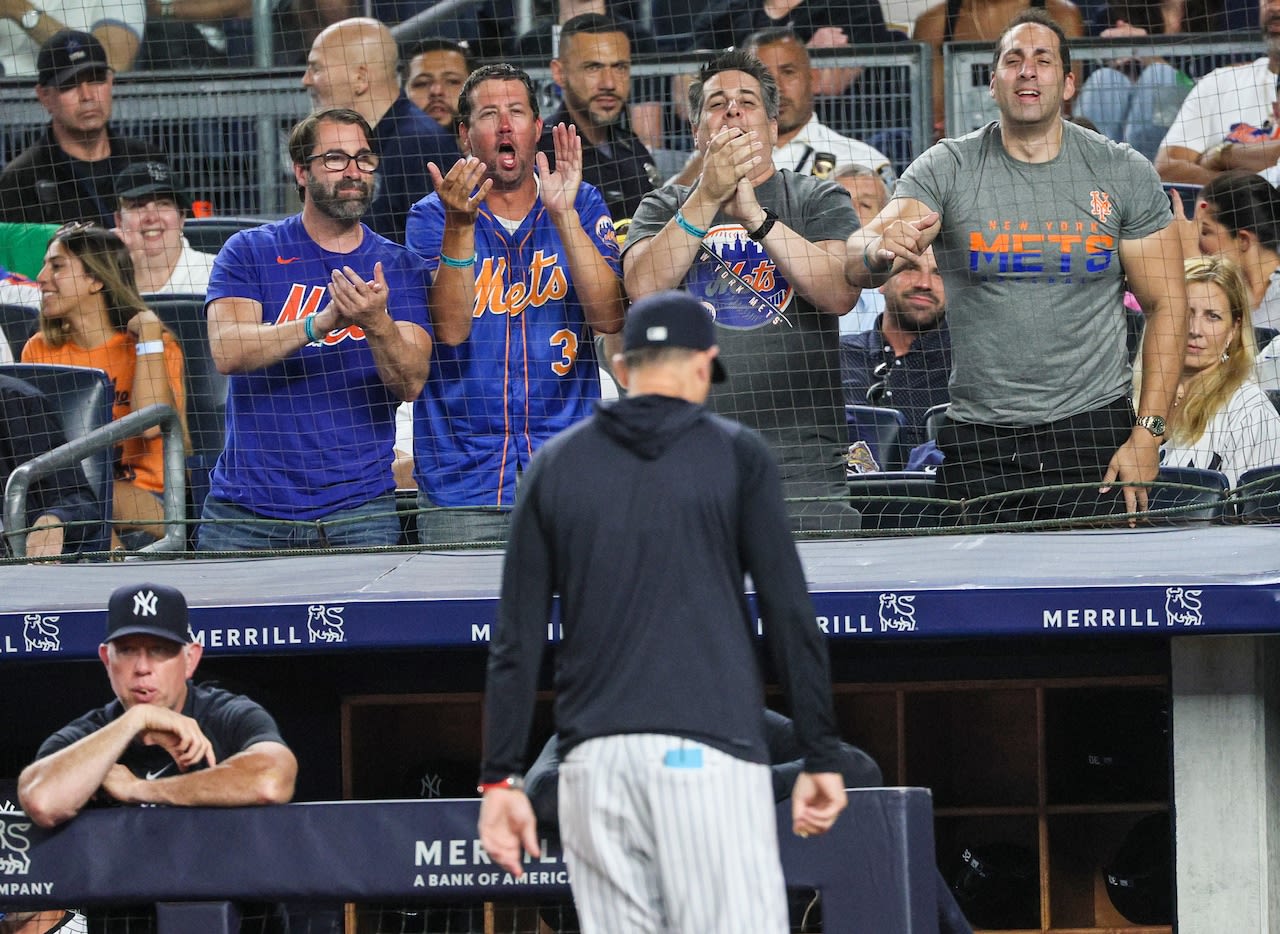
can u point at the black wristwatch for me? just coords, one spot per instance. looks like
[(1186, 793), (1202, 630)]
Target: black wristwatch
[(770, 218)]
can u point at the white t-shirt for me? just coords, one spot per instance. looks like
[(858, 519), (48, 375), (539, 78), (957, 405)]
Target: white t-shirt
[(814, 137), (18, 52), (1223, 97), (191, 275), (1244, 434)]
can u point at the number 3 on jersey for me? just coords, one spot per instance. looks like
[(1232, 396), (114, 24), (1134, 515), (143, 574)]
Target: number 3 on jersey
[(567, 341)]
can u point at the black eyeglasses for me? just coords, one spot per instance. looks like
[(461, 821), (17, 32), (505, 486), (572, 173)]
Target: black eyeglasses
[(879, 391), (335, 160)]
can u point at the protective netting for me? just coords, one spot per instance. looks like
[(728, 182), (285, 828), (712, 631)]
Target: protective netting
[(1026, 319)]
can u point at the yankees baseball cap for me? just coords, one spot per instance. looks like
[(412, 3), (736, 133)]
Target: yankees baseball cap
[(672, 319), (66, 56), (148, 609), (150, 178)]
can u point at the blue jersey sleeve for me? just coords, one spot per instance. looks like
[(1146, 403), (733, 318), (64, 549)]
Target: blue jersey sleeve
[(424, 230)]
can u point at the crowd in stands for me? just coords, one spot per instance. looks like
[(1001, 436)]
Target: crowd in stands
[(520, 269)]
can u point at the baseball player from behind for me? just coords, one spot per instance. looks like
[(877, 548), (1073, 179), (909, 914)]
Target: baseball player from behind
[(666, 804)]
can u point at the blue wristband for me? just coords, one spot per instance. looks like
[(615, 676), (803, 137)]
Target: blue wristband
[(688, 227), (309, 326), (458, 263)]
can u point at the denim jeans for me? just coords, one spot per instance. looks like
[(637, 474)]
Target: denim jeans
[(370, 524)]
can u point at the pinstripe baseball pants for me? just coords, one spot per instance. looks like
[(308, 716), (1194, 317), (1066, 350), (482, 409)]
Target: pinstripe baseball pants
[(663, 834)]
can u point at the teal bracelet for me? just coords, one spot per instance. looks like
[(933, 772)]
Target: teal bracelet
[(688, 227), (458, 263), (309, 326)]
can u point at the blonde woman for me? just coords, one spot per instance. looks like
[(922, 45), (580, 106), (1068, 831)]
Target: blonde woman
[(1221, 419), (92, 315)]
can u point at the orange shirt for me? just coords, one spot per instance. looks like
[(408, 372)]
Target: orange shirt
[(140, 460)]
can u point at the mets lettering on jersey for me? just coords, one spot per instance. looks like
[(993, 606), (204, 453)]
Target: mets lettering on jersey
[(307, 300), (546, 282)]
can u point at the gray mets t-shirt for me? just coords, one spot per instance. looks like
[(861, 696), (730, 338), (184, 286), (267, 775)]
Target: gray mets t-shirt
[(784, 364), (1029, 254)]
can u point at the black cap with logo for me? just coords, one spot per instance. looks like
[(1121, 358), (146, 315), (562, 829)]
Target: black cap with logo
[(148, 609), (67, 57), (141, 179), (672, 319)]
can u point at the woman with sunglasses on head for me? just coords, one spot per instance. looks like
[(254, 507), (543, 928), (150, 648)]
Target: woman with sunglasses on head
[(1221, 419), (92, 315)]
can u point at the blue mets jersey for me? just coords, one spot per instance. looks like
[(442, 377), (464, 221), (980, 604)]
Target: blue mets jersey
[(528, 369), (312, 433)]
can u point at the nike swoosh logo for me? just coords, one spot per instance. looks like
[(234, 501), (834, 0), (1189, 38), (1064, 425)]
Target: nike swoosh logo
[(285, 262), (152, 776)]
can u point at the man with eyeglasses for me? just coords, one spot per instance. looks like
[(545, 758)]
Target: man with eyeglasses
[(68, 173), (355, 63), (322, 325), (904, 362)]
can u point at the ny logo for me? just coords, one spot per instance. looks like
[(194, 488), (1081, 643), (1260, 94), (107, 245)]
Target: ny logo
[(144, 603), (1100, 205)]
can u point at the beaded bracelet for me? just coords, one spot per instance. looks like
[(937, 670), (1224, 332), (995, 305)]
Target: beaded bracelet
[(688, 227), (309, 326), (458, 263)]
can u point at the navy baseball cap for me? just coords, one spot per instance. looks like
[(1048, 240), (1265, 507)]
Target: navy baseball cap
[(150, 178), (66, 56), (672, 319), (148, 609)]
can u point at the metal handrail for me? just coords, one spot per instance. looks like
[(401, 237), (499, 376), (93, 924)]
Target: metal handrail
[(71, 453)]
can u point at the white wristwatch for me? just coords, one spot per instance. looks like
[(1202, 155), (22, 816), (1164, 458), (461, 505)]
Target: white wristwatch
[(166, 9), (31, 19)]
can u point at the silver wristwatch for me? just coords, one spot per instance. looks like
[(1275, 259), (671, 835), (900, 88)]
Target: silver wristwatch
[(31, 19), (1153, 424)]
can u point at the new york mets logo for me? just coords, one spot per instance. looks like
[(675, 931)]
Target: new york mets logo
[(546, 283), (750, 293), (1100, 205), (304, 301)]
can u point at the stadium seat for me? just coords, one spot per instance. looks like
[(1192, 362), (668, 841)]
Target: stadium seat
[(208, 234), (1257, 497), (83, 398), (879, 427), (934, 419), (1263, 336), (1189, 486), (18, 323), (901, 500), (206, 389)]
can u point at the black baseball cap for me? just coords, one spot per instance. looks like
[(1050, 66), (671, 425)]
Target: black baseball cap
[(68, 54), (672, 319), (148, 609), (150, 178)]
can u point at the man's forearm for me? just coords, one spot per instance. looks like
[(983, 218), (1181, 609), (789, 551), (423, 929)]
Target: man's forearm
[(245, 348), (402, 354), (52, 790), (262, 774), (815, 269)]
